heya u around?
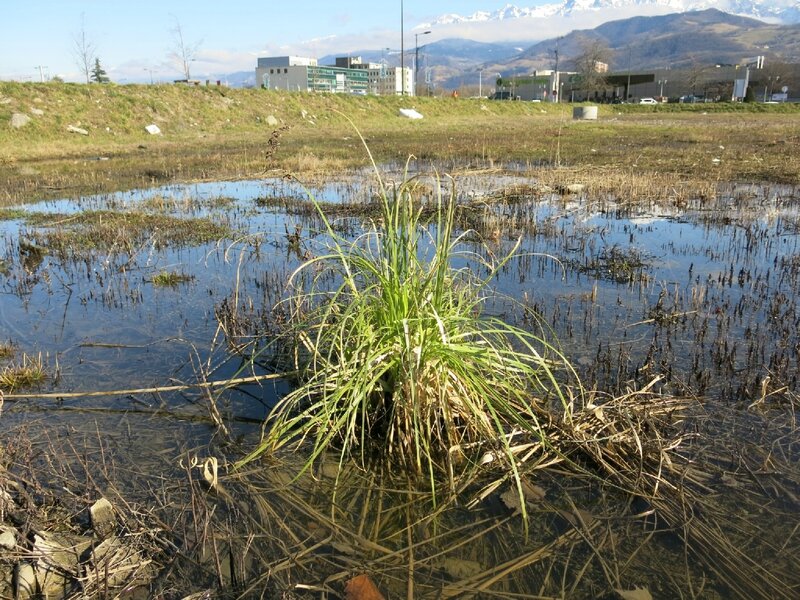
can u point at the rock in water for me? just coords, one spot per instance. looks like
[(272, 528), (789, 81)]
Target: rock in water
[(102, 516)]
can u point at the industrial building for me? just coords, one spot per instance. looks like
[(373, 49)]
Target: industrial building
[(348, 76)]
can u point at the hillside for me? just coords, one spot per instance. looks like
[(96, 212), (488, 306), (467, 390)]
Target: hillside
[(678, 40), (116, 115), (220, 133), (211, 132)]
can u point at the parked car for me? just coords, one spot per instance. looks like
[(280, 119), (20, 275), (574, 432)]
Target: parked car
[(648, 101)]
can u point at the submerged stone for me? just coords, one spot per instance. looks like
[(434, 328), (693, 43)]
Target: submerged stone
[(25, 581), (119, 564), (8, 539), (102, 516)]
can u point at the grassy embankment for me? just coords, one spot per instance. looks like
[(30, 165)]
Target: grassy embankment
[(224, 133)]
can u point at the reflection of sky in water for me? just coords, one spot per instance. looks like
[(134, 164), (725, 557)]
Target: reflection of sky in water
[(109, 328), (242, 191), (113, 329)]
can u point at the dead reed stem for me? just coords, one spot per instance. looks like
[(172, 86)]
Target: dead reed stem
[(224, 383)]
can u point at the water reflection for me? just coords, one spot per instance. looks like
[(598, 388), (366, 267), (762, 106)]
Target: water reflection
[(704, 295)]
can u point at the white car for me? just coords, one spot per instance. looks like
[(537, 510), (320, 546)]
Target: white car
[(648, 101)]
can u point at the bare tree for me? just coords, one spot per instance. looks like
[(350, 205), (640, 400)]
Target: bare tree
[(696, 75), (592, 65), (83, 50), (183, 53)]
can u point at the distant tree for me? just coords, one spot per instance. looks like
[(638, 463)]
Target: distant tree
[(56, 79), (695, 74), (98, 73), (183, 53), (590, 65), (83, 50)]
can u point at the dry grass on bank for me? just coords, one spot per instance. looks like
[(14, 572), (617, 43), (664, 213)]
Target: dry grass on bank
[(220, 133)]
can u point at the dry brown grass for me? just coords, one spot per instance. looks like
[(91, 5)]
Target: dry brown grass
[(222, 134), (29, 371), (630, 186), (587, 538)]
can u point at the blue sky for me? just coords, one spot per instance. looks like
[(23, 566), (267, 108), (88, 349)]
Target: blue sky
[(133, 37)]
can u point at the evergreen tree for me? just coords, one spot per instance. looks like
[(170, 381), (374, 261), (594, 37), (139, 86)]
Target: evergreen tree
[(98, 73)]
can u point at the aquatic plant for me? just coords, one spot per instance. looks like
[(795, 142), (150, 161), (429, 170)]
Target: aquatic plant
[(169, 278), (28, 372), (7, 350), (399, 361)]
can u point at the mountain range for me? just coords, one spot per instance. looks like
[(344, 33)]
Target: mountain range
[(673, 37), (785, 11), (676, 40), (640, 34)]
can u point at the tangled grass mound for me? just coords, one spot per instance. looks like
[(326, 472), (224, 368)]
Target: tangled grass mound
[(398, 359)]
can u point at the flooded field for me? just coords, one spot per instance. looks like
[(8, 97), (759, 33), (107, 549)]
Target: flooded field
[(154, 295)]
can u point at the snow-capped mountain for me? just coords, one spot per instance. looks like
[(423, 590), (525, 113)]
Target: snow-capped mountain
[(678, 39), (785, 11)]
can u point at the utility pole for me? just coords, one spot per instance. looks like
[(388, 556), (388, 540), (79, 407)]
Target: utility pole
[(402, 52), (41, 69), (628, 86)]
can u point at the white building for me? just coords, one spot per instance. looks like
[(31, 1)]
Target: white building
[(388, 81), (349, 75)]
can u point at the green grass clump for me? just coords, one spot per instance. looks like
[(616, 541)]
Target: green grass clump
[(109, 230), (27, 373), (399, 362), (11, 214), (169, 279)]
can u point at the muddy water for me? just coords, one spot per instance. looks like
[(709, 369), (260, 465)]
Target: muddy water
[(704, 296)]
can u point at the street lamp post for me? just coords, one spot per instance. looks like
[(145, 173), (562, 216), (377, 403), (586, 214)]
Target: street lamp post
[(557, 79), (771, 80), (480, 83), (662, 83), (416, 58)]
